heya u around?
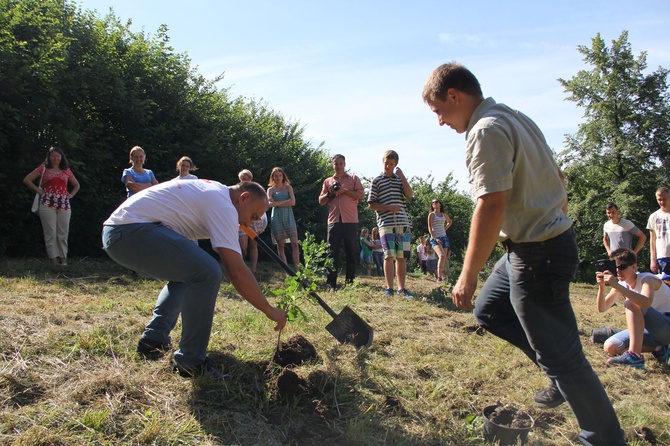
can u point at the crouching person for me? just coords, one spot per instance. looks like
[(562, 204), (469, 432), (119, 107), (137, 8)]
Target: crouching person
[(647, 308), (152, 233)]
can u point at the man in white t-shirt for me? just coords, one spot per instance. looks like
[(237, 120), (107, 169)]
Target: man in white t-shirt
[(659, 234), (619, 232), (152, 233)]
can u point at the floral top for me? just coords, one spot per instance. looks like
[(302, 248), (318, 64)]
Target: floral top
[(55, 188)]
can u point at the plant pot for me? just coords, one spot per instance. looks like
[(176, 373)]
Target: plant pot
[(504, 435), (600, 335)]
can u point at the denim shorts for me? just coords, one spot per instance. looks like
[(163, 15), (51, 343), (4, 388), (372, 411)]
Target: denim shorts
[(445, 241)]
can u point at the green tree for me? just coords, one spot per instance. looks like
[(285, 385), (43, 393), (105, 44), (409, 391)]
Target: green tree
[(619, 152), (94, 87), (457, 205)]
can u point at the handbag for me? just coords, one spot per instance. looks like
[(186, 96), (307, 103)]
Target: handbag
[(35, 208)]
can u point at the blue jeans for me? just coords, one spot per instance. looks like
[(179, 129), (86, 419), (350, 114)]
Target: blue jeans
[(656, 331), (526, 301), (194, 278)]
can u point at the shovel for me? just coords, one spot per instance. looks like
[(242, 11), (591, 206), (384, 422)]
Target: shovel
[(347, 327)]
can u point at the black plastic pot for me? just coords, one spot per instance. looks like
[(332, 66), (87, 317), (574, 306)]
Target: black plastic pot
[(503, 435), (600, 335)]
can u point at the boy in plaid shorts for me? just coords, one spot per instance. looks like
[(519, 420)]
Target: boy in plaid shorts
[(387, 198)]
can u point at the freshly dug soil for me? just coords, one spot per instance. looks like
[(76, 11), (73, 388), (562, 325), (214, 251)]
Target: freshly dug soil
[(291, 386), (510, 417), (294, 352)]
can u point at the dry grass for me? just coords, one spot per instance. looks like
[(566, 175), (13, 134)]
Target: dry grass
[(69, 374)]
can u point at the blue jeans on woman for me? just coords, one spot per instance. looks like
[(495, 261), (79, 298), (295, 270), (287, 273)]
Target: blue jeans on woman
[(194, 278), (526, 301)]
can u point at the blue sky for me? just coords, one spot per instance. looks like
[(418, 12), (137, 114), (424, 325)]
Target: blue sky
[(352, 72)]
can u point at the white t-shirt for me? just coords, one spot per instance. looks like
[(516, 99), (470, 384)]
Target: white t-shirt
[(196, 209), (421, 252), (659, 222), (661, 300)]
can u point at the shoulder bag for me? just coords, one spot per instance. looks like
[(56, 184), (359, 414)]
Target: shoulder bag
[(36, 201)]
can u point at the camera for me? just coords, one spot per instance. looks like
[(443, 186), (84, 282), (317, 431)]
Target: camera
[(336, 185), (603, 265)]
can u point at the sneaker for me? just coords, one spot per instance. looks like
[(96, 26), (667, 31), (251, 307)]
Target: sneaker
[(152, 350), (405, 293), (205, 369), (662, 355), (388, 292), (628, 358), (549, 397)]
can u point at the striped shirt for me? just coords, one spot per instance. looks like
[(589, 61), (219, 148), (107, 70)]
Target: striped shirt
[(389, 191), (438, 225)]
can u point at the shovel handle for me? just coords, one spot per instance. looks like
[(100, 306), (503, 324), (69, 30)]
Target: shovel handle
[(264, 246)]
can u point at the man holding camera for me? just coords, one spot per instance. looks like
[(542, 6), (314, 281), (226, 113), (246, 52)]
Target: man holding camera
[(341, 193)]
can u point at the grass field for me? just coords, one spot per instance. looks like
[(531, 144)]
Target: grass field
[(69, 374)]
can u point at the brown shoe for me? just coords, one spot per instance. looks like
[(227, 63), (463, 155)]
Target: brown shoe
[(549, 397)]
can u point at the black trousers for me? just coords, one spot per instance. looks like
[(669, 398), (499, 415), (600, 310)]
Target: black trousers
[(337, 233)]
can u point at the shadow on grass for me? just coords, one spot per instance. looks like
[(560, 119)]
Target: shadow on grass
[(325, 407)]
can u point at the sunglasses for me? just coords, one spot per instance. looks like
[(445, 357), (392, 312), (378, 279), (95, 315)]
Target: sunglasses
[(623, 266), (435, 201)]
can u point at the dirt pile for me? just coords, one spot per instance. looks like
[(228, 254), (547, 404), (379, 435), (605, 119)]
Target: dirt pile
[(510, 417)]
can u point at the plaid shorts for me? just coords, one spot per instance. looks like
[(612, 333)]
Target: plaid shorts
[(396, 241)]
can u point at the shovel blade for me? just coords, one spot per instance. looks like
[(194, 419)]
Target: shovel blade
[(350, 328)]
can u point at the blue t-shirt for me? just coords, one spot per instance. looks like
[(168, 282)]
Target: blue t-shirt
[(146, 177)]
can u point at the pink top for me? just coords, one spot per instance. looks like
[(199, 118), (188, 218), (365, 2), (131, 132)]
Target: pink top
[(343, 209)]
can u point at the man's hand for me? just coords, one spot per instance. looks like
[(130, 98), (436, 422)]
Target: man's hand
[(463, 292), (279, 316)]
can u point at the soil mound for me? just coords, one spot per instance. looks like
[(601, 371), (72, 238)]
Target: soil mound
[(510, 417), (294, 352)]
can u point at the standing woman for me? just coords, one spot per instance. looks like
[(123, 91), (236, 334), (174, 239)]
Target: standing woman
[(185, 166), (137, 178), (438, 223), (281, 198), (54, 202), (377, 252), (366, 250)]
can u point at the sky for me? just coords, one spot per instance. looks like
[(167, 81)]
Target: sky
[(352, 72)]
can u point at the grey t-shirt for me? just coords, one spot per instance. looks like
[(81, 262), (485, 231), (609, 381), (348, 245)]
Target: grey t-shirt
[(506, 151), (620, 234)]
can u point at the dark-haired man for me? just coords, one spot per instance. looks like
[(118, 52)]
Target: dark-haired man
[(521, 201), (152, 233), (341, 193), (619, 232)]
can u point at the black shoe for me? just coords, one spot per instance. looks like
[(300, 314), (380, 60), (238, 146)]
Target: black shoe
[(151, 349), (549, 397), (205, 368)]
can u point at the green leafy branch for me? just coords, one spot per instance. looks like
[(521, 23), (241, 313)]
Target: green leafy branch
[(298, 287)]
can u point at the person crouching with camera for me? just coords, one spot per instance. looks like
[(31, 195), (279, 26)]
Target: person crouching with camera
[(341, 193), (647, 307)]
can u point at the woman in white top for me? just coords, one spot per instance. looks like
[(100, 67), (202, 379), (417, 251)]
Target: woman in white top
[(647, 311), (185, 166), (438, 223)]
